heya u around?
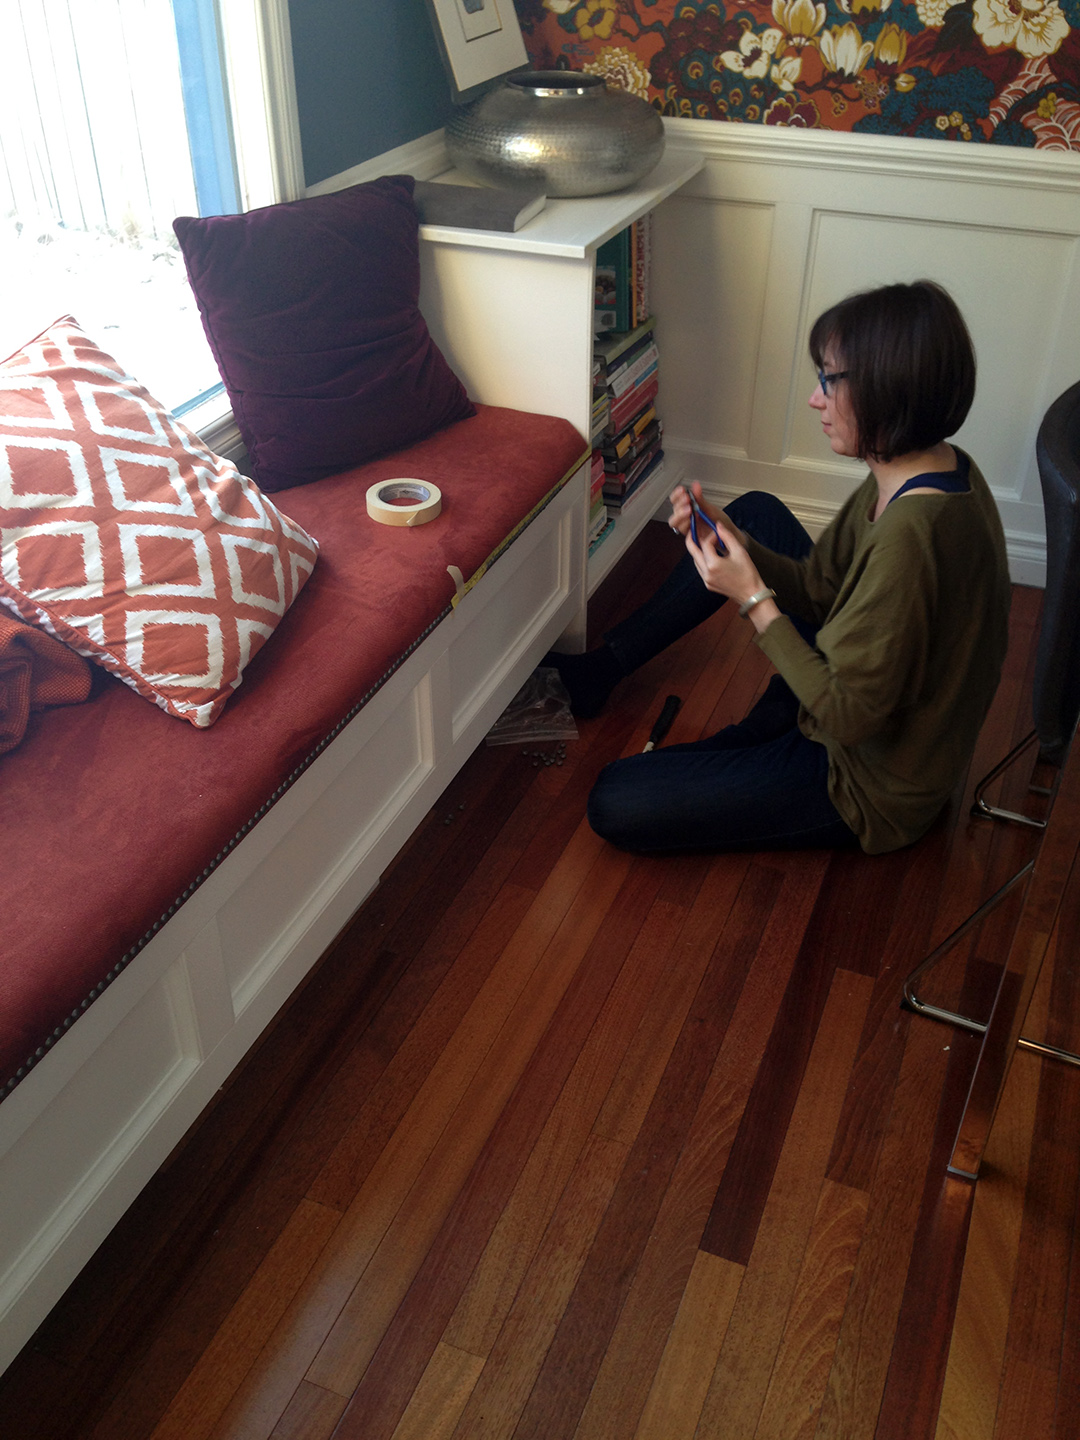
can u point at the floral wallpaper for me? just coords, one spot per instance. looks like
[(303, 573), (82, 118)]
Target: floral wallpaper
[(1005, 72)]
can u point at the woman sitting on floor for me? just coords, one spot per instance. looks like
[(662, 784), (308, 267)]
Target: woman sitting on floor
[(888, 634)]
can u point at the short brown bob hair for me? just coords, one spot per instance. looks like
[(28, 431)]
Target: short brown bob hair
[(910, 365)]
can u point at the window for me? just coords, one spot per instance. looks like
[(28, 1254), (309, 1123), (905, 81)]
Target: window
[(115, 117)]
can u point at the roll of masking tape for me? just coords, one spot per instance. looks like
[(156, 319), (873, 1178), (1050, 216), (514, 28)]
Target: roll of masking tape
[(403, 502)]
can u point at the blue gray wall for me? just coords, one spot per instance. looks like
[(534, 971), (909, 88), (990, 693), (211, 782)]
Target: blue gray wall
[(368, 77)]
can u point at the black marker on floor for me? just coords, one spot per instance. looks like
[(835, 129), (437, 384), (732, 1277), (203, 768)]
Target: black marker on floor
[(663, 724)]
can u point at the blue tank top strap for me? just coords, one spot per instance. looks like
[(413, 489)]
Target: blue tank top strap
[(951, 482)]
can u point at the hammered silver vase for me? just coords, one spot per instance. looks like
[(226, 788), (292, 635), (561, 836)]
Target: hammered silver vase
[(564, 132)]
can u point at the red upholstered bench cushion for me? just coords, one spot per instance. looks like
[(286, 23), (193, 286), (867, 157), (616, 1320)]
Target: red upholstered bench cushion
[(112, 809)]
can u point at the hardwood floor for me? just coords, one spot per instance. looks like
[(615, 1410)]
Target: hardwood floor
[(559, 1142)]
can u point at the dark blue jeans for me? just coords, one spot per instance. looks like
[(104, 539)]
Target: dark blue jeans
[(758, 785)]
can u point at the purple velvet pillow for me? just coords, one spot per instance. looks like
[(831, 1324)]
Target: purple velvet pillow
[(311, 311)]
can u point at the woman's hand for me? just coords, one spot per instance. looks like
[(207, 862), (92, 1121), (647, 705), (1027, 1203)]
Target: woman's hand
[(680, 509), (680, 512), (734, 575)]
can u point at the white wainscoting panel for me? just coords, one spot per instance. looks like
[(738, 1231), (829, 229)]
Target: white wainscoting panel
[(781, 224)]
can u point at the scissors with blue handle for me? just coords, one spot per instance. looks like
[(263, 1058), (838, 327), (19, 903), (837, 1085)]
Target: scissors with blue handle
[(695, 511)]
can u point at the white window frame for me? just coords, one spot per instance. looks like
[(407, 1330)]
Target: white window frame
[(262, 93), (257, 47)]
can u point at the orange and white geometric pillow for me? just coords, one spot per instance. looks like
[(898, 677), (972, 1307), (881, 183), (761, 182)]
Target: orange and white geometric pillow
[(126, 538)]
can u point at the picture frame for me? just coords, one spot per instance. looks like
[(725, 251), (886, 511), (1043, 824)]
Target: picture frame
[(480, 41)]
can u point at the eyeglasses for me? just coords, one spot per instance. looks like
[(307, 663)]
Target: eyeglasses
[(826, 380)]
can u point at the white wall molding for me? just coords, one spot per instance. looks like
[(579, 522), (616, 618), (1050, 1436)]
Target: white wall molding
[(894, 156), (423, 158), (781, 223)]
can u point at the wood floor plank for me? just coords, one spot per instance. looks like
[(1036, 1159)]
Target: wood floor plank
[(439, 858), (678, 1391), (575, 1355), (805, 1353), (210, 1385), (747, 1359), (303, 1331), (487, 1297), (600, 741), (447, 1383), (36, 1397), (977, 1348), (917, 1367), (525, 1338), (621, 1388), (1037, 1323), (417, 1215), (740, 1201), (311, 1415), (857, 907), (488, 1301), (861, 1128), (646, 1058), (1067, 1414), (916, 1373), (258, 1208), (1026, 1404), (463, 1237), (860, 1364), (388, 1094)]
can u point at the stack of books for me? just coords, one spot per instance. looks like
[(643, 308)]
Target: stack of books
[(600, 522), (623, 275), (601, 400), (630, 443)]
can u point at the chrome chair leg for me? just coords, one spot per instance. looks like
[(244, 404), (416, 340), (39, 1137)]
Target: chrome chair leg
[(994, 812), (910, 1000)]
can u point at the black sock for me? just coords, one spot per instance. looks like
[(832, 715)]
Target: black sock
[(589, 678)]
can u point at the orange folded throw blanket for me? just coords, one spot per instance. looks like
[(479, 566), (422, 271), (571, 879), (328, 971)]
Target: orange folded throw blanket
[(35, 671)]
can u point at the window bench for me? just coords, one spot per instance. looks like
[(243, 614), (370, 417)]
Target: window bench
[(166, 888)]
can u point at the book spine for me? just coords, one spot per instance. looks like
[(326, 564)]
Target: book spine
[(616, 448), (609, 525), (635, 274), (624, 295), (637, 341), (616, 505), (613, 348), (642, 267), (621, 484), (613, 275), (636, 444), (641, 365), (634, 400)]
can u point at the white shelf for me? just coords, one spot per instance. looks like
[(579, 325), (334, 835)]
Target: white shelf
[(513, 314), (574, 228)]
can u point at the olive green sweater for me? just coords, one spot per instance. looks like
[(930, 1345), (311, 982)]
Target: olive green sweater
[(912, 611)]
